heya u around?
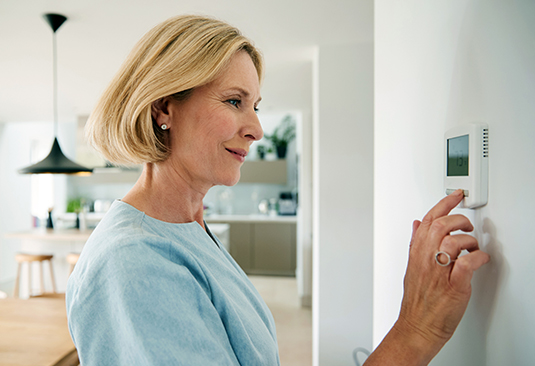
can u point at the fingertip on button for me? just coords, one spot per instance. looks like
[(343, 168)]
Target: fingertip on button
[(458, 192)]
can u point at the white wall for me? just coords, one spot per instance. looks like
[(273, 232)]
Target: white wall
[(12, 198), (343, 173), (16, 140), (15, 146), (439, 64)]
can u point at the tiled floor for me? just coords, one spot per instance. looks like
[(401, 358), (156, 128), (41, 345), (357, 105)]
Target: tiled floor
[(293, 322)]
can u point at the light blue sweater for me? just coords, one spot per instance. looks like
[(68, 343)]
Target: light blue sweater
[(147, 292)]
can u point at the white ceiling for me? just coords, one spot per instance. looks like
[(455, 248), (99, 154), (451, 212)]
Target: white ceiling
[(99, 34)]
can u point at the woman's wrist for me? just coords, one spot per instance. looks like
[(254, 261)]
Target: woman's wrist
[(421, 345), (405, 345)]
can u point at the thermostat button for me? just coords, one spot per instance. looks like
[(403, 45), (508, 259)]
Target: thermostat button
[(466, 192)]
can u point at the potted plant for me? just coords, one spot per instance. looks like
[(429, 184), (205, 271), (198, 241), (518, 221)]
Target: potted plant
[(76, 205), (283, 134), (261, 151)]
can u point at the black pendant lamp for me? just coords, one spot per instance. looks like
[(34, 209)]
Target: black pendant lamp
[(56, 162)]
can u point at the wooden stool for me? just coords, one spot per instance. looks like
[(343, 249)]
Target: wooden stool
[(29, 258), (72, 259)]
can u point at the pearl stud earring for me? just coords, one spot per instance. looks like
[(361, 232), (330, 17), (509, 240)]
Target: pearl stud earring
[(164, 127)]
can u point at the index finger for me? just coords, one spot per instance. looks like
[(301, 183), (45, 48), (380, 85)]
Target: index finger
[(444, 206)]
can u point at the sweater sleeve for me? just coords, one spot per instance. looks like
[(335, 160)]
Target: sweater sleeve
[(137, 306)]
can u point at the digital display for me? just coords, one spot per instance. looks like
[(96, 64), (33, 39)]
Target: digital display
[(458, 156)]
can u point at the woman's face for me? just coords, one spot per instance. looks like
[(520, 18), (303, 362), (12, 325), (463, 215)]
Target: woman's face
[(211, 131)]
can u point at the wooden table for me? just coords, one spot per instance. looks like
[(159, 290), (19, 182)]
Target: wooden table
[(34, 332)]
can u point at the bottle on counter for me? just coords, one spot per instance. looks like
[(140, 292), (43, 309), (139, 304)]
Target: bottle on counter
[(49, 223)]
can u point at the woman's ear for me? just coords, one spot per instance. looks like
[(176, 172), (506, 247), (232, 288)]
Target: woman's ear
[(160, 112)]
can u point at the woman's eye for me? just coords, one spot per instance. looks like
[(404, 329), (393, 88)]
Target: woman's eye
[(234, 102), (256, 109)]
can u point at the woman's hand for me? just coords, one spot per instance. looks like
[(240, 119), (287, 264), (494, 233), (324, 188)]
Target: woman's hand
[(435, 297)]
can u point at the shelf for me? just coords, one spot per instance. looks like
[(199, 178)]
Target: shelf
[(264, 171)]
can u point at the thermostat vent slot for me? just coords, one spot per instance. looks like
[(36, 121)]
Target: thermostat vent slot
[(485, 142)]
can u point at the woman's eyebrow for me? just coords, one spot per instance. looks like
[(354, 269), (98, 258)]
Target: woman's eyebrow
[(243, 92)]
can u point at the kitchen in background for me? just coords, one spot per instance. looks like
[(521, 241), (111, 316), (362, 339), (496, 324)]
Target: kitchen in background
[(260, 211)]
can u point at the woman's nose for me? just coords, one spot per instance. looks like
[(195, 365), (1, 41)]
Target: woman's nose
[(253, 129)]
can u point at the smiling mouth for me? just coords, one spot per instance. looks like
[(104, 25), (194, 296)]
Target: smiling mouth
[(238, 152)]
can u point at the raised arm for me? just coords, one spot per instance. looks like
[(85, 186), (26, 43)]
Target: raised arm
[(435, 297)]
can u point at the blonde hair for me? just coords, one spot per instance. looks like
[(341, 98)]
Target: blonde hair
[(176, 56)]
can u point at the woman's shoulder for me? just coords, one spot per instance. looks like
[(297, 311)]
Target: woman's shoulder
[(123, 250), (121, 218), (122, 233), (125, 226), (127, 238)]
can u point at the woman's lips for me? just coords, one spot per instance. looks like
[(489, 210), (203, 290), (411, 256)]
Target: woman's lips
[(238, 154)]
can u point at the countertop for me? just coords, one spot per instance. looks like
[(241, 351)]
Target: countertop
[(251, 218), (69, 235), (75, 235)]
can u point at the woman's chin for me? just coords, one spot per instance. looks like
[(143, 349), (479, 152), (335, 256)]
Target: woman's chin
[(231, 180)]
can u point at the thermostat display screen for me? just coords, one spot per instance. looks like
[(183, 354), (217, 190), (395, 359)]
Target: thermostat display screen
[(458, 156)]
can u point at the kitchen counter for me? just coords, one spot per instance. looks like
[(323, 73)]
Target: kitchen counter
[(61, 242), (55, 235), (57, 242), (250, 218)]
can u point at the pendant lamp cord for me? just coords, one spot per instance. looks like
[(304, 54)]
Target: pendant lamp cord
[(55, 83)]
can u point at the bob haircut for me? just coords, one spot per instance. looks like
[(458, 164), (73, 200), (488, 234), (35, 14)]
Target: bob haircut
[(172, 59)]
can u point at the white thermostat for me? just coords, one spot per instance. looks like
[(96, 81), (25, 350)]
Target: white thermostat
[(467, 163)]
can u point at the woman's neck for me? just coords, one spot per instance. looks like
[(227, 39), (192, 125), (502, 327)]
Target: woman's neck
[(164, 195)]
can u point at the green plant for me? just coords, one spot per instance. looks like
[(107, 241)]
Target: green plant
[(261, 150), (284, 133), (75, 205)]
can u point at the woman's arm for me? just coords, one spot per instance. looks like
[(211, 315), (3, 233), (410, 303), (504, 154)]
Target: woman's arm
[(435, 297)]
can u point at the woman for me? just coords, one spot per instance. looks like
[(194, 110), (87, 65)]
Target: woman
[(153, 286)]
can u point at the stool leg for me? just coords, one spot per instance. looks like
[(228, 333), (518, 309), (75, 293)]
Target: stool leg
[(41, 278), (29, 279), (17, 281), (52, 277)]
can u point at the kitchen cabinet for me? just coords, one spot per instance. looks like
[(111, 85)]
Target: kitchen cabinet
[(240, 245), (263, 247), (274, 248)]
